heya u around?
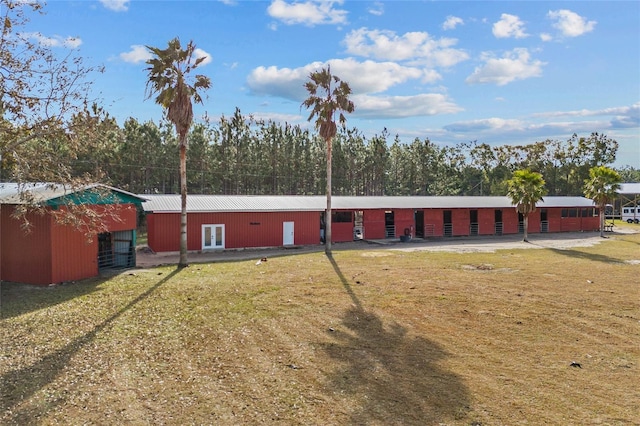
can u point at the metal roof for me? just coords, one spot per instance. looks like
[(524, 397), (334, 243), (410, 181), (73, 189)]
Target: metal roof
[(629, 188), (43, 192), (277, 203)]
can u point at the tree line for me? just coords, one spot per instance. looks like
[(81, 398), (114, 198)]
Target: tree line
[(242, 155)]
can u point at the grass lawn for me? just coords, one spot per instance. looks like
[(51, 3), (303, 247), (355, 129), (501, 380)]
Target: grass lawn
[(371, 337)]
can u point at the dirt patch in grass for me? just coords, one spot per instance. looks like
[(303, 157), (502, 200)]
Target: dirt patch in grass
[(378, 337)]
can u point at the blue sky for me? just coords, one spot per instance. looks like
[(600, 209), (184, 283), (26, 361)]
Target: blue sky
[(512, 72)]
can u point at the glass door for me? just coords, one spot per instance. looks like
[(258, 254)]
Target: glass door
[(212, 237)]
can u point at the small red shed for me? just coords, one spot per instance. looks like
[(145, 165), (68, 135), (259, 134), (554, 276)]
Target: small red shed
[(230, 222), (51, 251)]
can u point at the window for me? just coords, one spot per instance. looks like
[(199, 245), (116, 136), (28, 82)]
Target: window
[(342, 217), (570, 213), (587, 213)]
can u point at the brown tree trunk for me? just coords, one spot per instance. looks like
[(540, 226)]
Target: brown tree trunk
[(183, 198), (602, 221), (525, 220), (327, 214)]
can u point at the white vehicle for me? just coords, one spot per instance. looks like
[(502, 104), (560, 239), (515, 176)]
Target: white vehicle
[(631, 214)]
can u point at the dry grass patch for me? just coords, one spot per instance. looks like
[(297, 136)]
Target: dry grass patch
[(376, 337)]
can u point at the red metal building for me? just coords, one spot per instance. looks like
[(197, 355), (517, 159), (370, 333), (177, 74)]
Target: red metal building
[(231, 222), (52, 252)]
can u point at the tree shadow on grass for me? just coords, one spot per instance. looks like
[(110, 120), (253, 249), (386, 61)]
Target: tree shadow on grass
[(20, 385), (576, 254), (390, 377)]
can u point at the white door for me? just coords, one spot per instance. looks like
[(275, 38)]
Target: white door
[(287, 233), (212, 237)]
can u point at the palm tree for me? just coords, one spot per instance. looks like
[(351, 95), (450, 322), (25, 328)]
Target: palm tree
[(525, 189), (602, 187), (328, 95), (169, 79)]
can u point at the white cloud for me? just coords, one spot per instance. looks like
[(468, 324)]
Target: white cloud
[(311, 12), (53, 41), (550, 125), (452, 22), (509, 26), (138, 53), (570, 23), (619, 117), (377, 8), (417, 46), (116, 5), (483, 124), (363, 77), (199, 53), (514, 65), (276, 117), (546, 37), (425, 104)]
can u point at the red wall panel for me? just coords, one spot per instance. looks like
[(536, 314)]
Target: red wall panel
[(25, 256), (510, 221), (460, 221), (373, 222), (244, 229), (73, 255), (590, 224), (434, 218), (554, 218), (341, 232), (486, 222)]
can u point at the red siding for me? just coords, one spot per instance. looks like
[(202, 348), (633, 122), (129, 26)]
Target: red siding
[(25, 257), (373, 223), (121, 217), (461, 222), (554, 218), (433, 219), (510, 221), (590, 223), (486, 222), (73, 256), (341, 232), (244, 229)]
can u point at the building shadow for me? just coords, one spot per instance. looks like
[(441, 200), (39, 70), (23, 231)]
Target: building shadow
[(388, 376), (20, 385)]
